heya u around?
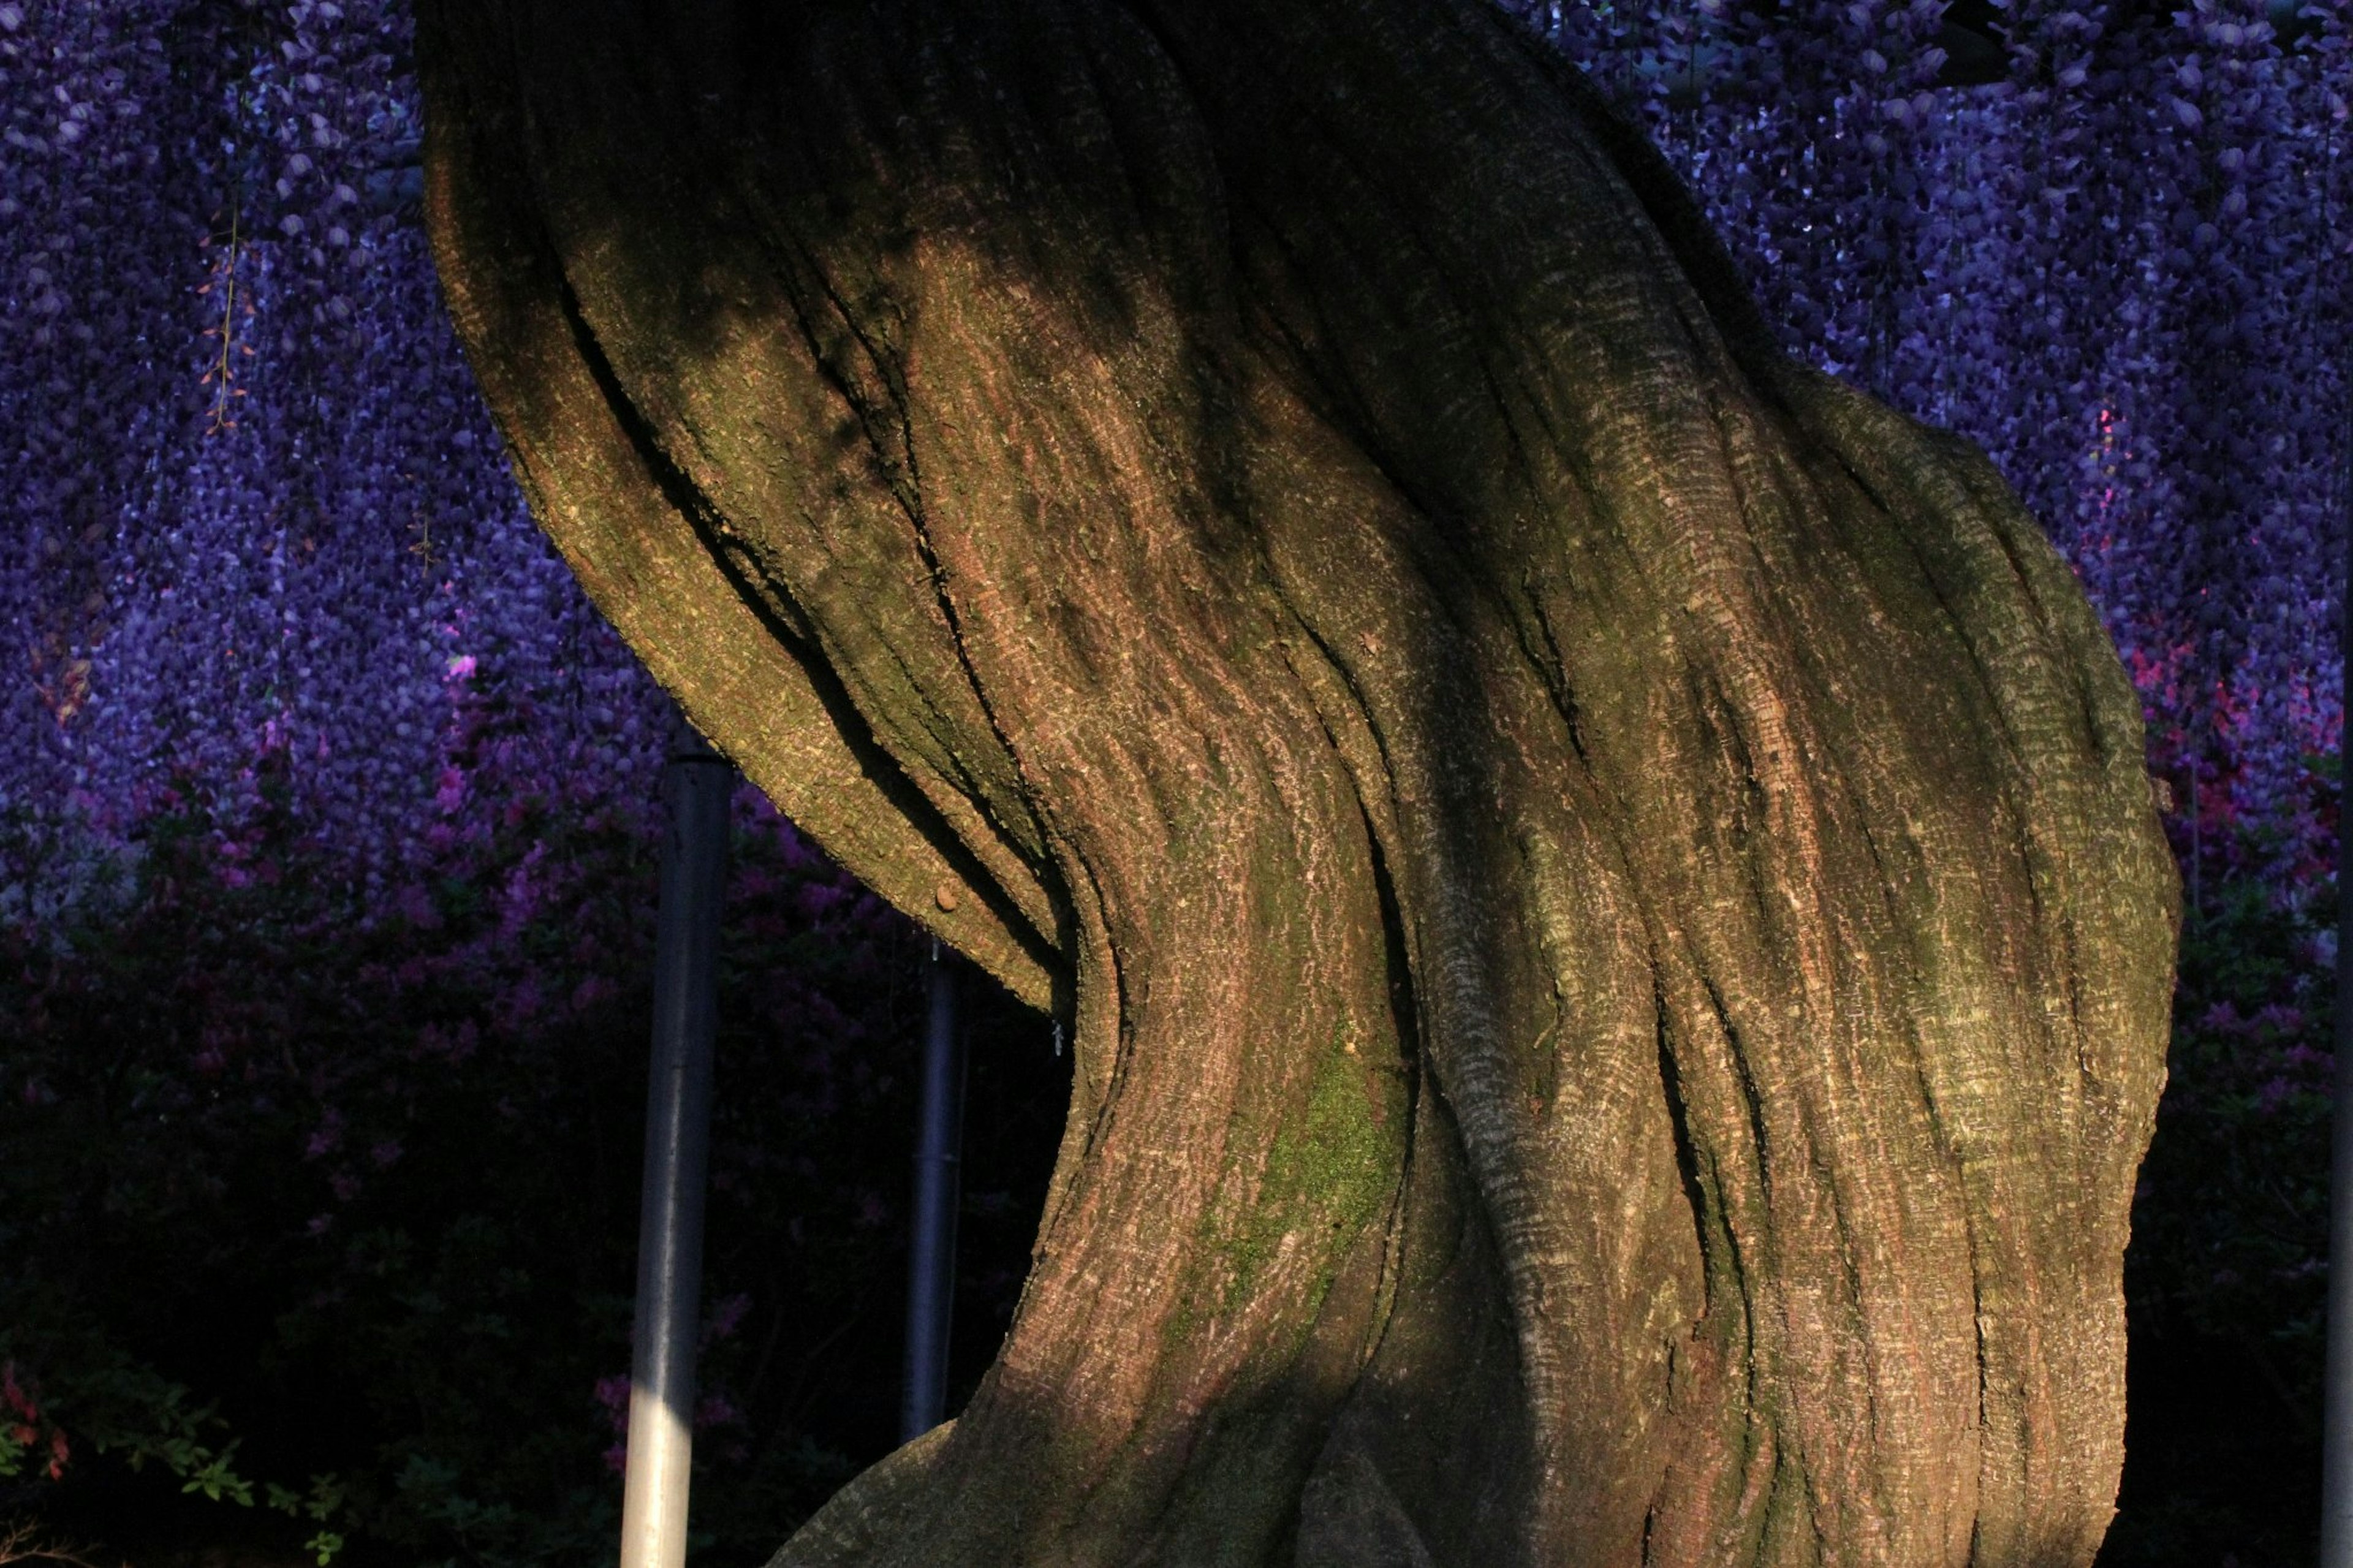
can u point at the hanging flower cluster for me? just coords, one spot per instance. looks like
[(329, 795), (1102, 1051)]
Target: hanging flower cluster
[(265, 508), (266, 515)]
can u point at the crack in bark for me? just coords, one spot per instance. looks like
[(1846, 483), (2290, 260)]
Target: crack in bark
[(1421, 480), (781, 615)]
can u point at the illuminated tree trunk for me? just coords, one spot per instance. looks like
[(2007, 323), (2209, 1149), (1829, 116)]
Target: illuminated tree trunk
[(1615, 930)]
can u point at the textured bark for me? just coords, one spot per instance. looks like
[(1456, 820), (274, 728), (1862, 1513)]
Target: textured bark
[(1615, 932)]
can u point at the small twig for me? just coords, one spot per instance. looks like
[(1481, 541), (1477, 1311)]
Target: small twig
[(17, 1545), (223, 370), (423, 547)]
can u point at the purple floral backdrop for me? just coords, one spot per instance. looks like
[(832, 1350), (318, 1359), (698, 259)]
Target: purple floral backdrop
[(262, 510)]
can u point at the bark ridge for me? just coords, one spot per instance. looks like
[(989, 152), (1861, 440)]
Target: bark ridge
[(1603, 885)]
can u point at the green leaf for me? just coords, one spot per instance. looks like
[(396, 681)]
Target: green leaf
[(215, 1480)]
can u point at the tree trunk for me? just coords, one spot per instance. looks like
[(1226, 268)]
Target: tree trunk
[(1615, 932)]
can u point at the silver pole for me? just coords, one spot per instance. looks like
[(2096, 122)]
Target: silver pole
[(931, 1255), (2336, 1430), (697, 783), (2336, 1415)]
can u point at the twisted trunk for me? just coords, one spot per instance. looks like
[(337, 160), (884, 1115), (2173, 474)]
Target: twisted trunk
[(1614, 928)]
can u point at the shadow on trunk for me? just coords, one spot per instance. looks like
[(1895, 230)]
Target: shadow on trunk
[(1614, 933)]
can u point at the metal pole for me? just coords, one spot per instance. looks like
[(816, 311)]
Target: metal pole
[(2336, 1381), (697, 783), (931, 1257), (2336, 1415), (2337, 1434)]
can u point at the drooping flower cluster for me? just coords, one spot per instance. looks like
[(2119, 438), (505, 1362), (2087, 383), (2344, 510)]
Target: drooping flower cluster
[(262, 505), (263, 512)]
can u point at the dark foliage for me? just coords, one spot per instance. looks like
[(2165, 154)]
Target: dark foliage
[(292, 1199)]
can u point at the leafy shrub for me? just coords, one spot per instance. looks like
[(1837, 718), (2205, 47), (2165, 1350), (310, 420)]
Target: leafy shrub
[(312, 1191), (2227, 1274)]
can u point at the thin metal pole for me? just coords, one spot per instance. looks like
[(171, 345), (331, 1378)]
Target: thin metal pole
[(2337, 1433), (2336, 1381), (2336, 1415), (931, 1257), (697, 783)]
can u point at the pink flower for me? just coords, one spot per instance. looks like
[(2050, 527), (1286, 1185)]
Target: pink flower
[(326, 1138), (728, 1315), (2281, 1017), (14, 1395), (415, 905), (519, 1004)]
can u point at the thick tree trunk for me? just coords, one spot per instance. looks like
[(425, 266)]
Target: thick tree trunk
[(1615, 929)]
